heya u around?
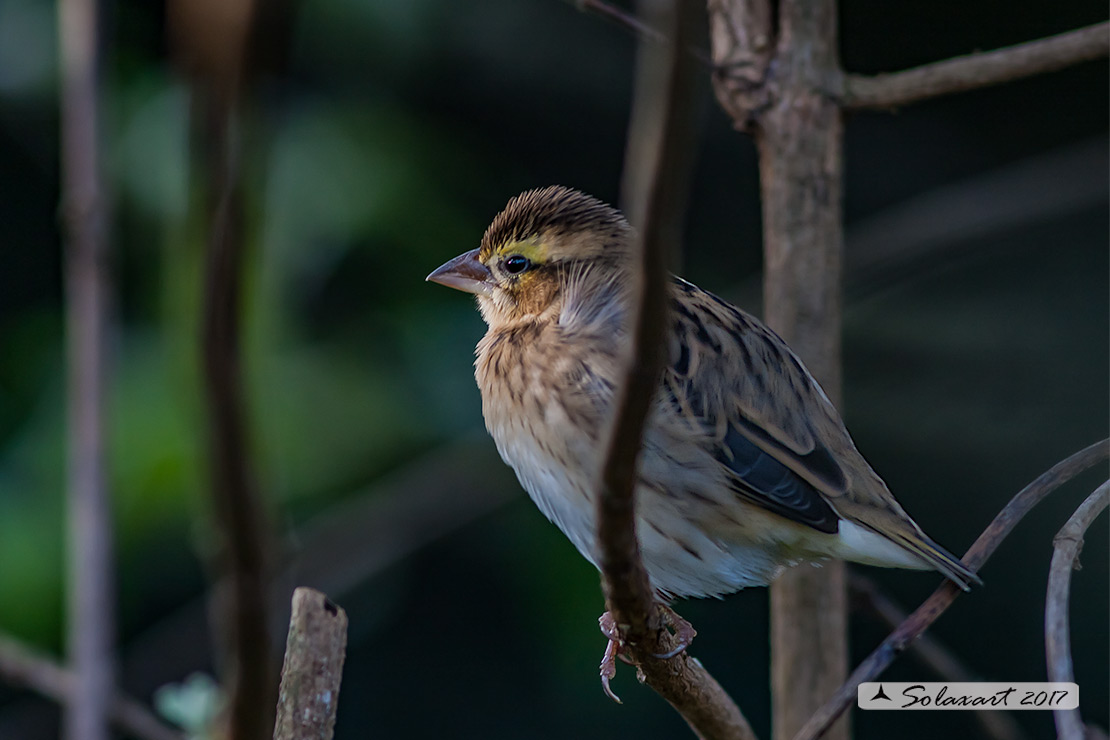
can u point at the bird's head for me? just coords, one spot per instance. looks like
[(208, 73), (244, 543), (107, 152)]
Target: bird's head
[(543, 245)]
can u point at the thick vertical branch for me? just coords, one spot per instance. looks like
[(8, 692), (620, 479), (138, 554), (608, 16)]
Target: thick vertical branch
[(799, 137), (772, 76), (91, 589)]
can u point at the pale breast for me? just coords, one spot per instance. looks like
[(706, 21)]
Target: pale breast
[(546, 405)]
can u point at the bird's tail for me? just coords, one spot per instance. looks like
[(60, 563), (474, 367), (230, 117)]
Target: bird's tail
[(948, 564)]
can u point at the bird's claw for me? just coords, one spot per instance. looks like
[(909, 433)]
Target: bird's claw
[(609, 668), (683, 631)]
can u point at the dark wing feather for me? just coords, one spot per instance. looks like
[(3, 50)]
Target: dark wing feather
[(765, 480), (759, 422)]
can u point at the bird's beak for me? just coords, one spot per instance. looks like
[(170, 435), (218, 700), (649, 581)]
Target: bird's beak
[(466, 272)]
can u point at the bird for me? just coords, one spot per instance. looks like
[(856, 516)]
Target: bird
[(746, 467)]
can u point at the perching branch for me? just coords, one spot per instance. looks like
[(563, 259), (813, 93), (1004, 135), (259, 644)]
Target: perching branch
[(90, 586), (23, 667), (1057, 639), (974, 71), (313, 668), (652, 198), (933, 654), (943, 597)]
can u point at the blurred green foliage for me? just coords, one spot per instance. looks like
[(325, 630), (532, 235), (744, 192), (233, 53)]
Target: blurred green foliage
[(396, 133)]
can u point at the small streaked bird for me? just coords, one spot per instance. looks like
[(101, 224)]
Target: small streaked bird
[(746, 466)]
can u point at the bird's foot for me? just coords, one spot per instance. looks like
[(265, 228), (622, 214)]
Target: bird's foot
[(682, 630), (612, 652)]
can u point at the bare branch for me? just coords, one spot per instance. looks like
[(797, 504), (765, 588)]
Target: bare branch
[(1057, 639), (631, 23), (90, 583), (936, 656), (26, 668), (236, 500), (659, 144), (620, 17), (313, 668), (211, 43), (974, 71), (799, 136), (210, 46), (943, 597)]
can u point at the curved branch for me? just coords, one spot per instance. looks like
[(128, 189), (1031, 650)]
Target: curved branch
[(943, 597), (973, 71), (659, 143), (932, 653), (1057, 641)]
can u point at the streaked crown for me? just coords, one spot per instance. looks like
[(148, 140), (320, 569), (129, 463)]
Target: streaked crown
[(577, 225)]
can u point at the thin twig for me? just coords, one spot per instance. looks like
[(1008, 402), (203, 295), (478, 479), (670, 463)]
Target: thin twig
[(313, 668), (978, 70), (943, 597), (90, 583), (24, 667), (634, 25), (620, 17), (932, 653), (653, 199), (1057, 639)]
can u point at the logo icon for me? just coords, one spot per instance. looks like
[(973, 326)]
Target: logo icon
[(881, 695)]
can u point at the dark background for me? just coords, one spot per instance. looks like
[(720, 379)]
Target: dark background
[(975, 348)]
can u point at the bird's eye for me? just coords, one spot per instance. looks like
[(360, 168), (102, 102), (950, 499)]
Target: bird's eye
[(515, 264)]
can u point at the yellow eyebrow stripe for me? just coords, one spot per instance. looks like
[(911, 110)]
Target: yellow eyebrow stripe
[(532, 249)]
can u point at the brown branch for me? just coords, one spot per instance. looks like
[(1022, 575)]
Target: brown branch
[(943, 597), (653, 200), (974, 71), (211, 44), (799, 136), (213, 54), (933, 654), (26, 668), (313, 668), (240, 518), (90, 585), (1057, 639)]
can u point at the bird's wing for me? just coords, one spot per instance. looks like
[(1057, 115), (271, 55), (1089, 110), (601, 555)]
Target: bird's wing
[(764, 417), (779, 439)]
